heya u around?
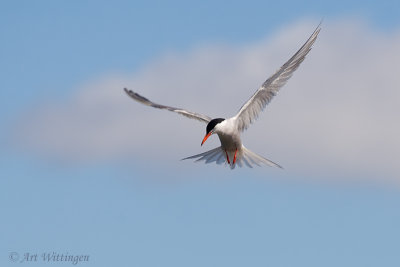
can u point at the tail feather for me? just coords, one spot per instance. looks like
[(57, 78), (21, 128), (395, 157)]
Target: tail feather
[(257, 159), (212, 155), (220, 159), (239, 163), (246, 161), (245, 157)]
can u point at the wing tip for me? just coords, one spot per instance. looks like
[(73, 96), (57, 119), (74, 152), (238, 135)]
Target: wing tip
[(129, 92), (136, 96)]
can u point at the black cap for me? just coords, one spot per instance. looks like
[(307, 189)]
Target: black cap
[(212, 124)]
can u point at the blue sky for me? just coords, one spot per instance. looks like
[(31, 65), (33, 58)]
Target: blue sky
[(84, 172)]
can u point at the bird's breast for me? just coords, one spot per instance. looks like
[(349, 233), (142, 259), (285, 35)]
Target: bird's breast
[(230, 142), (229, 135)]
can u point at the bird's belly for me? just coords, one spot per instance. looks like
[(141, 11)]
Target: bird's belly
[(230, 142)]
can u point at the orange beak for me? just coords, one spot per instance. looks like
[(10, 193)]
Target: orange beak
[(206, 137)]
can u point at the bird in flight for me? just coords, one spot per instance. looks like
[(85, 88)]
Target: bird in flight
[(232, 151)]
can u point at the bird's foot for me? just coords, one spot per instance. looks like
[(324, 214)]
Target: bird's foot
[(234, 158), (227, 157)]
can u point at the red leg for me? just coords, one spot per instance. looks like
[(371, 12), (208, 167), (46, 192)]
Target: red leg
[(234, 158), (227, 157)]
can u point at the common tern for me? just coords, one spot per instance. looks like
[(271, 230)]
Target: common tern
[(232, 151)]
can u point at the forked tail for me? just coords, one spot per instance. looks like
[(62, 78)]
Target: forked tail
[(245, 157)]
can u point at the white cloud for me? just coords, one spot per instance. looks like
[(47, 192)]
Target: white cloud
[(337, 115)]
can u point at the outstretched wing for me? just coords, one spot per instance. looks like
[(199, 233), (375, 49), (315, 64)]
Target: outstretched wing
[(252, 108), (183, 112)]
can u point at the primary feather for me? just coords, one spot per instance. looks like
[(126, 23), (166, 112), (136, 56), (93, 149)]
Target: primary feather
[(252, 108), (186, 113)]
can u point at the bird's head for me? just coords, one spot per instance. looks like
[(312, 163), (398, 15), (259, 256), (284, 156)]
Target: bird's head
[(211, 128)]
